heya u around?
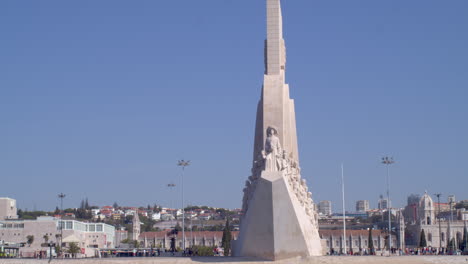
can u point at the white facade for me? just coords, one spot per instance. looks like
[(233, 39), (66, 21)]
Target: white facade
[(362, 206), (156, 216), (8, 208), (167, 217), (88, 236), (383, 204), (424, 216), (325, 208)]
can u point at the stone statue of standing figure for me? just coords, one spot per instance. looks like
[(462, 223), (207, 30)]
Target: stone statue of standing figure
[(273, 151)]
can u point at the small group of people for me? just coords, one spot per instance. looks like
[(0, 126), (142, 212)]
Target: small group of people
[(190, 252), (432, 251)]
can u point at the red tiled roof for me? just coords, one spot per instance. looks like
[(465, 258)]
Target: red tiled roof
[(326, 233), (196, 234)]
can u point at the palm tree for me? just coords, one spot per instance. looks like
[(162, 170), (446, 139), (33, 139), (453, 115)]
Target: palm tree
[(30, 239)]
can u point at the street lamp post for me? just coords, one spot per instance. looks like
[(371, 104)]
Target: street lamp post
[(388, 161), (345, 252), (61, 196), (440, 228), (183, 164)]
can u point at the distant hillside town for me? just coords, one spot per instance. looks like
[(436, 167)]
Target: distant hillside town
[(90, 230)]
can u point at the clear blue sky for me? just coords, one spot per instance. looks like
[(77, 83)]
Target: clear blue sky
[(100, 99)]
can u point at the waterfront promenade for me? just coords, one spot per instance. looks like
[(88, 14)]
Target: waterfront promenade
[(229, 260)]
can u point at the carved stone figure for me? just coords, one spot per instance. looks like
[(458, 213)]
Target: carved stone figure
[(273, 150), (285, 162)]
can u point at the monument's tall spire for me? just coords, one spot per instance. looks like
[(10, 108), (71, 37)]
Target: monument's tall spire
[(275, 55), (280, 219)]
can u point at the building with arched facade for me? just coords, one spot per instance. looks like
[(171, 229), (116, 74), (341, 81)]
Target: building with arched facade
[(423, 214), (356, 240), (162, 239)]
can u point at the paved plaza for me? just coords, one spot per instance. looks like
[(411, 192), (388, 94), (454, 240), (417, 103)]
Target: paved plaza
[(227, 260)]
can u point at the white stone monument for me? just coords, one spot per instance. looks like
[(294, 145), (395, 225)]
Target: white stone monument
[(280, 219)]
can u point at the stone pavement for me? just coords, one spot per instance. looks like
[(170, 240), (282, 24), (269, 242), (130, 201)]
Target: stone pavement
[(231, 260)]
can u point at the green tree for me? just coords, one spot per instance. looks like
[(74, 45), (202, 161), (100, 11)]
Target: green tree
[(115, 205), (226, 240), (30, 239), (203, 251), (136, 244), (126, 241), (19, 213), (462, 204), (464, 245), (73, 249), (156, 208), (58, 248), (451, 245), (31, 215), (422, 239), (46, 238), (370, 241)]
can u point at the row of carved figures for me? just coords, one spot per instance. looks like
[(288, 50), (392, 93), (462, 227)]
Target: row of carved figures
[(275, 158)]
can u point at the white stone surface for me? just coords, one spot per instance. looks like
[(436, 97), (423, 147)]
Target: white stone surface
[(276, 226), (280, 218), (8, 208)]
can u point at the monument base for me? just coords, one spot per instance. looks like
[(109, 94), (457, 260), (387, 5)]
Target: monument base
[(276, 225)]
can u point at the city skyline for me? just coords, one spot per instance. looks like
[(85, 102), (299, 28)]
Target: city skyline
[(100, 100)]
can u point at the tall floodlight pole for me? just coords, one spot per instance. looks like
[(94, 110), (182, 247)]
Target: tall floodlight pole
[(344, 211), (61, 196), (183, 164), (388, 161), (171, 186), (440, 228)]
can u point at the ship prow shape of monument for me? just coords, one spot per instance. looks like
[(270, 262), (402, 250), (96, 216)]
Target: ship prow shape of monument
[(279, 217)]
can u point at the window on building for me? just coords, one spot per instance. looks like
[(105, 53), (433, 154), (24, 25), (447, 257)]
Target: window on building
[(429, 237), (99, 228), (443, 236)]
